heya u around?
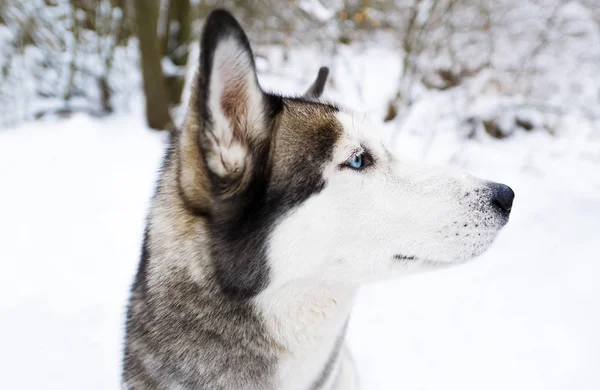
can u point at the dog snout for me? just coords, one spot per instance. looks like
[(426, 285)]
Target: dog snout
[(502, 197)]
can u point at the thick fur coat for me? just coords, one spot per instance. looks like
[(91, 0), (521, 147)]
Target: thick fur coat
[(268, 215)]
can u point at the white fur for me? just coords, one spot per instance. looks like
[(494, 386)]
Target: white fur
[(347, 377), (232, 69), (361, 219), (354, 227), (305, 318)]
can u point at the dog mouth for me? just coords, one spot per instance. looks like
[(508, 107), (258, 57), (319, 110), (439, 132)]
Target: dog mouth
[(411, 259), (404, 257)]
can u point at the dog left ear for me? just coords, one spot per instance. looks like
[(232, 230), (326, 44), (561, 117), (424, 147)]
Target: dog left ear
[(232, 108), (317, 87)]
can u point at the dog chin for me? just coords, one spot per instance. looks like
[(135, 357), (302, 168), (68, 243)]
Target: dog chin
[(432, 263), (442, 261), (448, 262)]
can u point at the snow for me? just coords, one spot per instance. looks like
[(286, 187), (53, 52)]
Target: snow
[(525, 315)]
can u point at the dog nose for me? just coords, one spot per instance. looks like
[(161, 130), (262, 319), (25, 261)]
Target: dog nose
[(502, 196)]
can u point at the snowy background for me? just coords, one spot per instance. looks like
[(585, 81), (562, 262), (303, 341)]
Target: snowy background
[(75, 187)]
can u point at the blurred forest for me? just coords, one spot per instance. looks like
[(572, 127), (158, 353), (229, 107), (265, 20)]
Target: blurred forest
[(64, 56), (507, 90)]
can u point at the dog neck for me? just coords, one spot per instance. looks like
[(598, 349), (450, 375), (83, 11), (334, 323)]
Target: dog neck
[(304, 312), (306, 320)]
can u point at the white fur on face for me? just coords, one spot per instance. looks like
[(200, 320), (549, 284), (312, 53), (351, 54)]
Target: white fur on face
[(389, 218), (233, 84)]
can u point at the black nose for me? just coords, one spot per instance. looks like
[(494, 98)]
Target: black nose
[(502, 196)]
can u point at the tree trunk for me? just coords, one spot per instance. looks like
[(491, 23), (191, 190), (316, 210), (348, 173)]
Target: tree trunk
[(177, 45), (126, 28), (157, 103), (73, 66)]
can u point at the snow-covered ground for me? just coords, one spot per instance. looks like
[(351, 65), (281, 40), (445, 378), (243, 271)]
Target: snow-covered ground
[(526, 315)]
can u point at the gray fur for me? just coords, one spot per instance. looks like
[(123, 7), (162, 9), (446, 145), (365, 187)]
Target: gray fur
[(235, 289), (190, 321), (182, 330)]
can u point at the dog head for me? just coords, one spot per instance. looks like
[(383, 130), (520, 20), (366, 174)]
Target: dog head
[(294, 188)]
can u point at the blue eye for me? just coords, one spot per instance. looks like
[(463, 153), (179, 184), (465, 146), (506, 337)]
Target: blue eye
[(356, 162)]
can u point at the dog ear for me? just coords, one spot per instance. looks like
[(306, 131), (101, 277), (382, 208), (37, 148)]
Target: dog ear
[(232, 109), (316, 89)]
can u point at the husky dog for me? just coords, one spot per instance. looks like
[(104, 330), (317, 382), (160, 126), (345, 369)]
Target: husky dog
[(269, 214)]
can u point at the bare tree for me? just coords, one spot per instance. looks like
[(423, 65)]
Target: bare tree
[(177, 39), (157, 102)]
